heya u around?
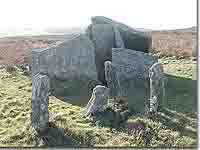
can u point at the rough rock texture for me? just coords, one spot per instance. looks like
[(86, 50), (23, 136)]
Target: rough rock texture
[(157, 78), (119, 43), (133, 39), (112, 80), (40, 101), (70, 66), (98, 100), (104, 37), (132, 70)]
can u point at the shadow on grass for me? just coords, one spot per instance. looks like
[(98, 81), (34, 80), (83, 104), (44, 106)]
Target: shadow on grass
[(179, 109), (181, 94), (55, 137), (177, 122)]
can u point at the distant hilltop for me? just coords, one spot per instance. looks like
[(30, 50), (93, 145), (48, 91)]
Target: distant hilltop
[(190, 29), (28, 31), (63, 30)]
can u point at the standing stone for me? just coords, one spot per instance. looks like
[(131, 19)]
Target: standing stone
[(133, 39), (112, 80), (104, 37), (70, 66), (156, 76), (98, 100), (132, 70), (40, 101)]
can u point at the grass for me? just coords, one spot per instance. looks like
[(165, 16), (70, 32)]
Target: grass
[(175, 125)]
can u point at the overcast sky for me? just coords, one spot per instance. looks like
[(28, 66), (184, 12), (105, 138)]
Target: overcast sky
[(150, 14)]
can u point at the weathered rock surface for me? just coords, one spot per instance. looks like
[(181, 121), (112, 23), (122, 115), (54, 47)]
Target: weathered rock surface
[(40, 101), (70, 66), (132, 71), (98, 100), (133, 39), (157, 86), (112, 80), (105, 37), (119, 43)]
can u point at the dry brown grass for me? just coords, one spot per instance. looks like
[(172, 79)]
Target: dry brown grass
[(181, 44), (16, 51), (174, 43)]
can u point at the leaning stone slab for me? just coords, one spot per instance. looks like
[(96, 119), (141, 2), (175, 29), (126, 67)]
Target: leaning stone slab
[(132, 71), (70, 66), (133, 39), (98, 100), (40, 101)]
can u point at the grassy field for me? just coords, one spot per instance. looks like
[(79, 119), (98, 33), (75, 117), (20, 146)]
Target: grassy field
[(176, 124)]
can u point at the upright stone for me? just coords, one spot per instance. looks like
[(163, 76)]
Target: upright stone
[(104, 37), (40, 101), (133, 39), (132, 70), (157, 89), (112, 80)]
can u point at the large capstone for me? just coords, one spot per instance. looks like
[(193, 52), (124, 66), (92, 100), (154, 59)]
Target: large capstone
[(105, 37), (132, 71), (70, 66), (133, 39)]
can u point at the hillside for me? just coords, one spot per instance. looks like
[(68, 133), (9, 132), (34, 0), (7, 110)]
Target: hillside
[(176, 124)]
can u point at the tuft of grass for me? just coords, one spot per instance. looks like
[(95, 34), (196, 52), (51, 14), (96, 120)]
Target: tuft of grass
[(10, 68)]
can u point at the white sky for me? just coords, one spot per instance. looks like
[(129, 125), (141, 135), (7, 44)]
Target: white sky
[(150, 14)]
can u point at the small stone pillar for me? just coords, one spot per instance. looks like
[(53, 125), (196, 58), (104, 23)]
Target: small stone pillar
[(156, 75), (40, 101), (112, 81)]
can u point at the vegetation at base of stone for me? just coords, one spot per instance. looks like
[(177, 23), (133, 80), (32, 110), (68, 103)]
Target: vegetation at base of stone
[(175, 124), (115, 114)]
